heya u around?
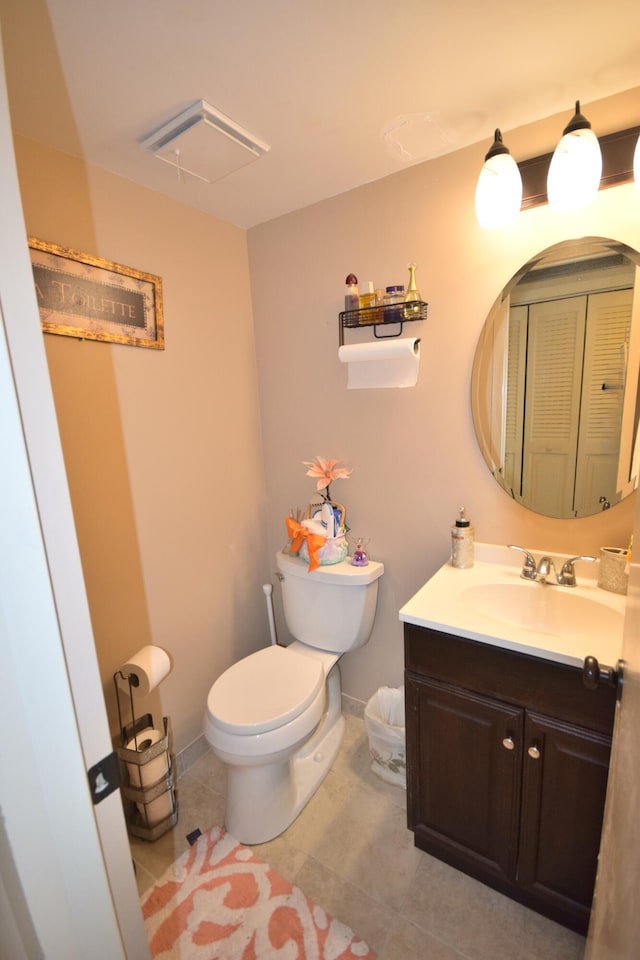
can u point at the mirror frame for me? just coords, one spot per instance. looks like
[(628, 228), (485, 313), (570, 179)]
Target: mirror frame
[(488, 384)]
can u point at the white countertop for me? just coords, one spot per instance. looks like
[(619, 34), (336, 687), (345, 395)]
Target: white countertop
[(491, 603)]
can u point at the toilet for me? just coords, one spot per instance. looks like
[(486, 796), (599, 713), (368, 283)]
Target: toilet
[(275, 717)]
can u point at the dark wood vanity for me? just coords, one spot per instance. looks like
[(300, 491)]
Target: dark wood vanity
[(507, 763)]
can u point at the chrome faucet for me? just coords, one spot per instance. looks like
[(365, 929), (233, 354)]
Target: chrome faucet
[(529, 571), (546, 566), (567, 576)]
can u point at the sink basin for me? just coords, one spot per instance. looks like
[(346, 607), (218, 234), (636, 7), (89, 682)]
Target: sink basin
[(542, 608), (490, 603)]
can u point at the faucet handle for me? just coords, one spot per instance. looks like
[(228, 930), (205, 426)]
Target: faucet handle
[(529, 566), (567, 576)]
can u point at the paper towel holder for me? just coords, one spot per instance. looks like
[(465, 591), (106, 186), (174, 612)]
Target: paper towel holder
[(376, 316)]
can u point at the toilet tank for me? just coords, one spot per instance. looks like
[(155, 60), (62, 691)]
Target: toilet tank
[(330, 608)]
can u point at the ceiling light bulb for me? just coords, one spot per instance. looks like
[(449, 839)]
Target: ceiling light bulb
[(636, 164), (499, 188), (576, 166)]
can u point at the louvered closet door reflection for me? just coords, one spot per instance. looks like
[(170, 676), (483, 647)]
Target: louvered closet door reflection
[(554, 374), (514, 415), (605, 361)]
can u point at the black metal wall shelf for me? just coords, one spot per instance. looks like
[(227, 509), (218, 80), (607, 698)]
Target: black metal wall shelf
[(390, 316)]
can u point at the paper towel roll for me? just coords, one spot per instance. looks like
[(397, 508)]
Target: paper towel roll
[(146, 774), (150, 665), (382, 363)]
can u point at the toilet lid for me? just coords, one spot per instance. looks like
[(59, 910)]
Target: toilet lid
[(264, 690)]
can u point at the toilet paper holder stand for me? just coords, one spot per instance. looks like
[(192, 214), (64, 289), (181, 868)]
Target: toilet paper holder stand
[(143, 800)]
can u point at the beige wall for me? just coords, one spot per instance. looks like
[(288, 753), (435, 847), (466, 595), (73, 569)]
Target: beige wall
[(413, 452), (162, 449), (169, 479)]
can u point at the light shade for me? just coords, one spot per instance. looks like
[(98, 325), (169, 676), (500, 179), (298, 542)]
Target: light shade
[(636, 164), (576, 166), (499, 188)]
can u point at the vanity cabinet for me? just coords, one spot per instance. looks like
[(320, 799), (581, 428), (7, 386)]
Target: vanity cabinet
[(507, 763)]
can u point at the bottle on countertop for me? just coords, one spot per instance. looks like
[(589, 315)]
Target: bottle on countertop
[(462, 542), (352, 298)]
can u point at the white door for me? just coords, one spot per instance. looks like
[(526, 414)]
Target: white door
[(554, 380), (67, 887), (575, 377), (614, 931), (514, 403), (603, 383)]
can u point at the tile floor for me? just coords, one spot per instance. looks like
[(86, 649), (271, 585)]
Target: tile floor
[(351, 852)]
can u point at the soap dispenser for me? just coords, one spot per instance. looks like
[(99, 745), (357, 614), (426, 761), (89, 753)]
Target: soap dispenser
[(462, 542)]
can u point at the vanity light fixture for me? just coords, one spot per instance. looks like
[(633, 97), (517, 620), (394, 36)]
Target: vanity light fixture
[(620, 152), (499, 188), (576, 166)]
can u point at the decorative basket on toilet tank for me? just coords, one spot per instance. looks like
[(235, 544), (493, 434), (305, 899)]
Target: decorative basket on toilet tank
[(320, 539), (326, 532)]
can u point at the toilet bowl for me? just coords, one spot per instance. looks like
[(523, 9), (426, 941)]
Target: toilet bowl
[(265, 704), (275, 717)]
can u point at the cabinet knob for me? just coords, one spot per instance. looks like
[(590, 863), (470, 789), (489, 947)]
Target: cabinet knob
[(508, 743), (534, 752), (593, 674)]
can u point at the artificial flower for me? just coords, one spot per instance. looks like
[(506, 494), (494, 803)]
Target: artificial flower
[(326, 471)]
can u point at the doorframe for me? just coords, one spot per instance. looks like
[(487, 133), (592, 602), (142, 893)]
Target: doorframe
[(66, 875)]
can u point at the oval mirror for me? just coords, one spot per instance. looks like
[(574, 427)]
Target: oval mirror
[(554, 387)]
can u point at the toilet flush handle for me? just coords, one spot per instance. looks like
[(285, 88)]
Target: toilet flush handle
[(268, 590)]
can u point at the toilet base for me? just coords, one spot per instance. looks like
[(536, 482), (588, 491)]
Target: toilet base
[(262, 801)]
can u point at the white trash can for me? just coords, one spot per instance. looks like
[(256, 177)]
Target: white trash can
[(384, 722)]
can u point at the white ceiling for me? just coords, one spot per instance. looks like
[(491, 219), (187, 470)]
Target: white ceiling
[(343, 91)]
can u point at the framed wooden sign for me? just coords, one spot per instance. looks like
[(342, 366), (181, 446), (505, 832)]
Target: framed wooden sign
[(82, 296)]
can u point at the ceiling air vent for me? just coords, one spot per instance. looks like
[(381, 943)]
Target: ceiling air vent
[(204, 143)]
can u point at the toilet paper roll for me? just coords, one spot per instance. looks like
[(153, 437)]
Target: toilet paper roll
[(382, 363), (149, 666), (146, 774), (158, 810)]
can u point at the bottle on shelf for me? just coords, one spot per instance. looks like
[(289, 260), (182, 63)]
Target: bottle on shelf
[(411, 309), (393, 300), (367, 300), (352, 299)]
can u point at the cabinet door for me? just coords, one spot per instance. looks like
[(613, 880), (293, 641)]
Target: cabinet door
[(464, 759), (564, 786)]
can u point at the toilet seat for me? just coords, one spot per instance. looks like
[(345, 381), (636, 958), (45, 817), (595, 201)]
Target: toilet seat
[(264, 690)]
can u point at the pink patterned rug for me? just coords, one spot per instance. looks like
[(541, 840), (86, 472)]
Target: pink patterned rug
[(220, 902)]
